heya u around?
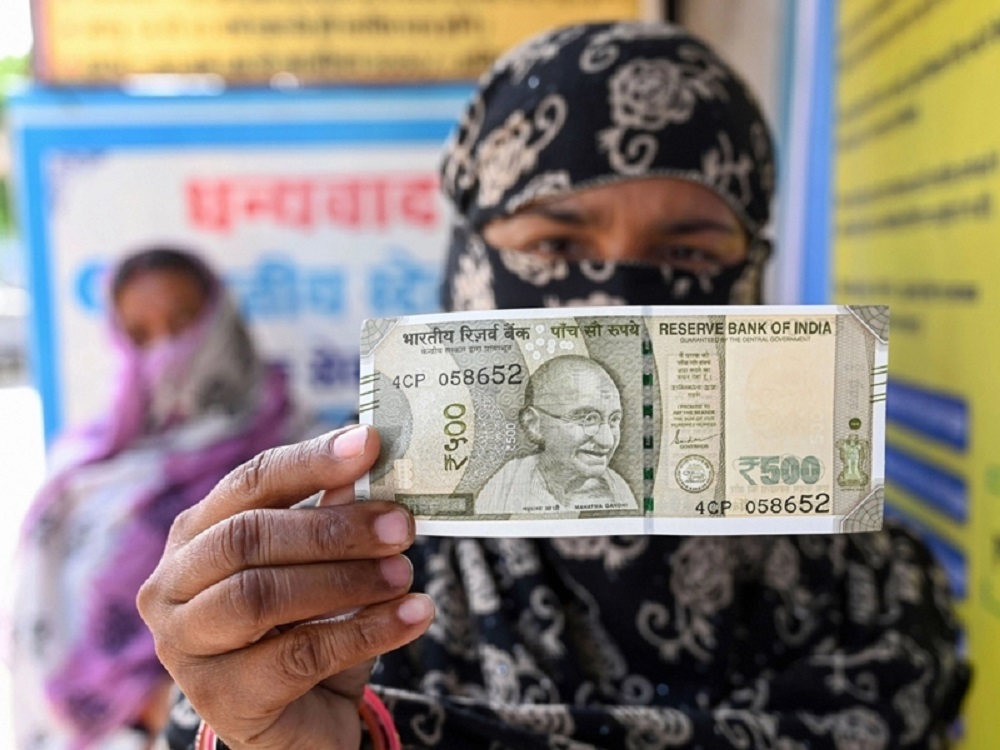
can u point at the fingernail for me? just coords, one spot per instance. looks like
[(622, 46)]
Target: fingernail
[(351, 444), (415, 609), (396, 570), (392, 527)]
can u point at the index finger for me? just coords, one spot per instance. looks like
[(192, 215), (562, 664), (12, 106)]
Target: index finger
[(283, 476)]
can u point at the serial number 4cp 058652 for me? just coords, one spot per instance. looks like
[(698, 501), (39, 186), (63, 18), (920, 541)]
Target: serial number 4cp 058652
[(768, 506)]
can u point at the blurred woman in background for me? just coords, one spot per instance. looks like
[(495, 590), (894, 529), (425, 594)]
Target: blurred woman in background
[(193, 399)]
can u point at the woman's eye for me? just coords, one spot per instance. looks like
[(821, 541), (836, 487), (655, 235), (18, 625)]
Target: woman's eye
[(683, 252), (690, 258), (560, 247)]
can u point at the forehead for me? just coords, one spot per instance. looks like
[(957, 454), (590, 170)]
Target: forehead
[(574, 385), (649, 199), (153, 294), (172, 281)]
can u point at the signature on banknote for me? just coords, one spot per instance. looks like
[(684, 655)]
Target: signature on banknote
[(695, 440)]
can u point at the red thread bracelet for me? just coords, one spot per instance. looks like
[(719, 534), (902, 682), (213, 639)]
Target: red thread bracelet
[(378, 720), (205, 739)]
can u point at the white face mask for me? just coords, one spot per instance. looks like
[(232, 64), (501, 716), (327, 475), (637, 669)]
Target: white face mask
[(164, 369), (168, 358)]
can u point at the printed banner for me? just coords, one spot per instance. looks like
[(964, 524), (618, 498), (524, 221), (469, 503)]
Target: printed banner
[(916, 227), (296, 40), (315, 224)]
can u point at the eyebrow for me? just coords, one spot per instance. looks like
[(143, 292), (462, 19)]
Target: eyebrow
[(580, 411), (560, 215), (690, 226), (577, 218)]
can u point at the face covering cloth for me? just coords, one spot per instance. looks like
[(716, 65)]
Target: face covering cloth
[(587, 106)]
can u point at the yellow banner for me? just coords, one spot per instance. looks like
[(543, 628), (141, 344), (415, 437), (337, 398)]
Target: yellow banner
[(916, 226), (91, 41)]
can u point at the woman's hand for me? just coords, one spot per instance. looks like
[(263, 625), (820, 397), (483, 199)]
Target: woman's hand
[(243, 605)]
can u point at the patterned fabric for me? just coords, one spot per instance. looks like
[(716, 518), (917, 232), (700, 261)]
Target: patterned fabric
[(587, 106), (661, 642), (183, 415), (840, 642)]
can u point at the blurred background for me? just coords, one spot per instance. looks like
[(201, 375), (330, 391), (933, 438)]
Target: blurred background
[(22, 451), (296, 144)]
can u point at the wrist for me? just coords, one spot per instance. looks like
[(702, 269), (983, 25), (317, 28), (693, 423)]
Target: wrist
[(375, 719)]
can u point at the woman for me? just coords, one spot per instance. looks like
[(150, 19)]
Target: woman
[(597, 164), (192, 401)]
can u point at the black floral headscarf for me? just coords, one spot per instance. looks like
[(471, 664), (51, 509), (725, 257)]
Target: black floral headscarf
[(586, 106)]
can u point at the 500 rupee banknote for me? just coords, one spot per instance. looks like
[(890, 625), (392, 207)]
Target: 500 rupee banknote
[(630, 420)]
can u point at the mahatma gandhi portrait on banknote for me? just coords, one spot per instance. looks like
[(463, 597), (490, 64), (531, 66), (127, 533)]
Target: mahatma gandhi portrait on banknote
[(572, 414), (510, 420)]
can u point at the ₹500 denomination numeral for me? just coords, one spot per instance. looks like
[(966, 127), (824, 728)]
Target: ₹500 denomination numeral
[(630, 420), (780, 469)]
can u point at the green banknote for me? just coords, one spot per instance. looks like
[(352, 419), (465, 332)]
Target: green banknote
[(630, 420)]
